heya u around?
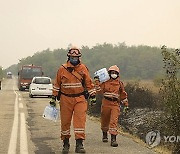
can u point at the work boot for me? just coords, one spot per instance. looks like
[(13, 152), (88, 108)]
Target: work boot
[(105, 138), (66, 146), (113, 141), (79, 146)]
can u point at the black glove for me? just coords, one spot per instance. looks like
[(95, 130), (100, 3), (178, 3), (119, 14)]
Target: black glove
[(53, 101), (96, 78), (126, 109), (92, 100)]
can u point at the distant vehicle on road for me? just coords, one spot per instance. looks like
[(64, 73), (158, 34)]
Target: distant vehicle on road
[(26, 74), (40, 86), (9, 75)]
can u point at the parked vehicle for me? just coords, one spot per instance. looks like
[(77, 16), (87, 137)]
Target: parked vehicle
[(9, 75), (40, 86), (25, 75)]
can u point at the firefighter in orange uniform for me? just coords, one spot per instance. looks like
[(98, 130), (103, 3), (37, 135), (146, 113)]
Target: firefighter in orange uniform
[(71, 81), (0, 84), (114, 93)]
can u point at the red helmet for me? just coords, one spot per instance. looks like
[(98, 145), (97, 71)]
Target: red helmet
[(114, 68), (74, 52)]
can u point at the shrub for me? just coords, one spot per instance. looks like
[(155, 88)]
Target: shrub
[(170, 91), (140, 97)]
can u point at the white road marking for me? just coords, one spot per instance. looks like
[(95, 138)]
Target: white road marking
[(20, 105), (23, 135), (13, 139)]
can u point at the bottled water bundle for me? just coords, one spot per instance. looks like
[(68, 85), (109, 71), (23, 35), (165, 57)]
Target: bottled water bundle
[(102, 74)]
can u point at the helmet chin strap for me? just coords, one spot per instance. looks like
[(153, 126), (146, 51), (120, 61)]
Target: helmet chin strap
[(114, 78), (68, 58)]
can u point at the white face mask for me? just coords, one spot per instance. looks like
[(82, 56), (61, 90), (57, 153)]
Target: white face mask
[(114, 76)]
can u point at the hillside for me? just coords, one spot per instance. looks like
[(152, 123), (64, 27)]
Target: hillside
[(135, 62)]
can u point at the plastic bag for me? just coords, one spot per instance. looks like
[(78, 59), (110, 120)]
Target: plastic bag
[(51, 113)]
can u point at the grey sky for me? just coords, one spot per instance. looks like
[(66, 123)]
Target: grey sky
[(28, 26)]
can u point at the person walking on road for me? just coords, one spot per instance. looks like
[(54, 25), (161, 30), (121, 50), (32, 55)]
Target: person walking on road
[(0, 84), (114, 93), (72, 79)]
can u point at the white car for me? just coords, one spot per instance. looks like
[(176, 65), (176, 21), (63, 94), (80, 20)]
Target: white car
[(40, 86)]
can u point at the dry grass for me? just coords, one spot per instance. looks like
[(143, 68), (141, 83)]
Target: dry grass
[(149, 84), (162, 150), (158, 149)]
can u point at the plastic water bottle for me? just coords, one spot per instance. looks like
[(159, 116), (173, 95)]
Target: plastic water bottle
[(102, 74), (51, 113)]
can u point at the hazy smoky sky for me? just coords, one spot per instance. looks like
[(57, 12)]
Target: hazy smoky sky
[(28, 26)]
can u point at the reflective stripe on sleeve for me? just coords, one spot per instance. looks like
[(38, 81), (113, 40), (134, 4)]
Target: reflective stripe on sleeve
[(98, 88), (56, 88), (124, 100), (92, 91)]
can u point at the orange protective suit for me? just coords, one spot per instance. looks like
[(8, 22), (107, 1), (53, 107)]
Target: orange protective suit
[(113, 91), (72, 101)]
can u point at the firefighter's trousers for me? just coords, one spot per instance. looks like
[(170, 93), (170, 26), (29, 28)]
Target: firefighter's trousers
[(110, 112), (73, 107)]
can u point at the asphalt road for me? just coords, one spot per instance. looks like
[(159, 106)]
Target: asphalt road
[(23, 130)]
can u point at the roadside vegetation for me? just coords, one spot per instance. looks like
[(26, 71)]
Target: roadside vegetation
[(170, 91), (2, 73)]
